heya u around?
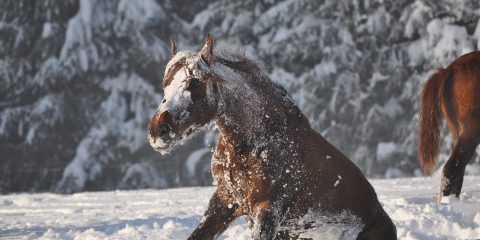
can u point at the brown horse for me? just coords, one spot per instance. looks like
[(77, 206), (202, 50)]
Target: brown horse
[(455, 92), (269, 164)]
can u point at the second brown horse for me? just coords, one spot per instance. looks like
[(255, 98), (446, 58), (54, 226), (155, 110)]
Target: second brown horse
[(455, 93)]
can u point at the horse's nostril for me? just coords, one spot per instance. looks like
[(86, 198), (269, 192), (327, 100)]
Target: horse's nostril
[(161, 125), (163, 130)]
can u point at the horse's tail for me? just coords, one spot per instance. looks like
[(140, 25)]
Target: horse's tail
[(430, 120)]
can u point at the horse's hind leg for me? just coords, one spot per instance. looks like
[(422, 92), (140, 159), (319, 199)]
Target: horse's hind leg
[(454, 169), (381, 227)]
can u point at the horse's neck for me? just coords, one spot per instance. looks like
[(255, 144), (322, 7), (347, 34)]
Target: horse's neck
[(241, 114), (252, 113)]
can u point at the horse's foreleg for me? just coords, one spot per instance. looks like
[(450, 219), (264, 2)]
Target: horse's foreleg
[(454, 169), (268, 219), (216, 218)]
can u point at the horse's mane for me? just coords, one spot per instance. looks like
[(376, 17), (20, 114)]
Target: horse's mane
[(254, 73), (238, 60), (233, 59), (254, 84)]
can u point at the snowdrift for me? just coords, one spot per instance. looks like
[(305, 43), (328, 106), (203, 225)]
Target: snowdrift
[(174, 213)]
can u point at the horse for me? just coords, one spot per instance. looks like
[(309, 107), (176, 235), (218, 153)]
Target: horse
[(455, 93), (269, 165)]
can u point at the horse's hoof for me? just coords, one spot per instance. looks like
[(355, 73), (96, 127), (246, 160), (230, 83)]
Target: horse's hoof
[(449, 187)]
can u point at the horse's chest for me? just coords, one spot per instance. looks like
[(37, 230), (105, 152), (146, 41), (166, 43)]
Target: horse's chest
[(241, 177)]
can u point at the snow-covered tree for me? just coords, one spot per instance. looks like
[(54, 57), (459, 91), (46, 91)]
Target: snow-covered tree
[(79, 80)]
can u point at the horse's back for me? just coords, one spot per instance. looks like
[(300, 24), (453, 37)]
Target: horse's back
[(466, 60)]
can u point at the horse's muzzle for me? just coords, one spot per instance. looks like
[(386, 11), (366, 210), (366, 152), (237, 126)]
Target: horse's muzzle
[(161, 126)]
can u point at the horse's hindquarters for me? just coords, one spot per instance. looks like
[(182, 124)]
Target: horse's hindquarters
[(344, 194)]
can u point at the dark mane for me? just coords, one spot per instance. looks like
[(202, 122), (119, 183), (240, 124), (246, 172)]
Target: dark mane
[(234, 59), (237, 60), (255, 75)]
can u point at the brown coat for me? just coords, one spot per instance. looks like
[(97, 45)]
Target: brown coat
[(269, 164), (455, 93)]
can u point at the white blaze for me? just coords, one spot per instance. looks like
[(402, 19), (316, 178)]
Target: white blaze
[(176, 97)]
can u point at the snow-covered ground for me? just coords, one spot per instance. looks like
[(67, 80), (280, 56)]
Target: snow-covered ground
[(174, 213)]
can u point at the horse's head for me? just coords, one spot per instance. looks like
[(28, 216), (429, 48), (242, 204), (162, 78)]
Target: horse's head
[(188, 103)]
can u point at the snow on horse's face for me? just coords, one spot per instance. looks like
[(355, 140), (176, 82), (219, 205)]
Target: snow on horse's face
[(188, 103)]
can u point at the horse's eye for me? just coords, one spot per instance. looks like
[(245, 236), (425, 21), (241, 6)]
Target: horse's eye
[(193, 84), (196, 88)]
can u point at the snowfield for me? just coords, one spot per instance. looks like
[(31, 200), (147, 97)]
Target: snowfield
[(174, 213)]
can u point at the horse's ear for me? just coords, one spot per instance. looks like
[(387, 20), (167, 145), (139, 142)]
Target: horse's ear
[(174, 47), (207, 51)]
